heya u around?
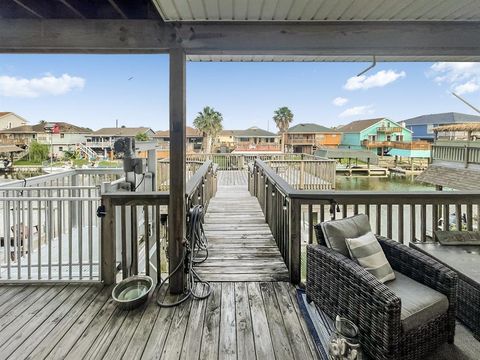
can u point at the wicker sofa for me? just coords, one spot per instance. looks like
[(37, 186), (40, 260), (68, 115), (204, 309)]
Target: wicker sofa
[(339, 286)]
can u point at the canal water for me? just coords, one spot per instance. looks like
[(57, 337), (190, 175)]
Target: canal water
[(391, 183)]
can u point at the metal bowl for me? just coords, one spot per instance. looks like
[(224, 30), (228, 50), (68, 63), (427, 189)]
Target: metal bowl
[(132, 292)]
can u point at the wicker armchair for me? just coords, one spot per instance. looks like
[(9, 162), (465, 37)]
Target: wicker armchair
[(338, 285)]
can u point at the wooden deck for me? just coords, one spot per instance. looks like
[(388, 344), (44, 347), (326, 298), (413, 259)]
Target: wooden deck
[(244, 320), (241, 245)]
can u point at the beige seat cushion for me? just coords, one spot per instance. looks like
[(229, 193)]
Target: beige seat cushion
[(420, 304), (336, 231)]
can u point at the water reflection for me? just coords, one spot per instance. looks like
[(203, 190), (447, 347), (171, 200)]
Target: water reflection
[(391, 183)]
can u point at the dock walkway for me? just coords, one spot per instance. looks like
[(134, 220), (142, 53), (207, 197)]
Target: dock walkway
[(241, 245)]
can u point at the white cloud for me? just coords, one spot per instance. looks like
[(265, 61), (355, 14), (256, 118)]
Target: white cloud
[(380, 79), (462, 77), (357, 110), (466, 88), (339, 101), (35, 87)]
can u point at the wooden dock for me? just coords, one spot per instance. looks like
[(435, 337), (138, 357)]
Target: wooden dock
[(244, 320), (241, 245), (362, 170)]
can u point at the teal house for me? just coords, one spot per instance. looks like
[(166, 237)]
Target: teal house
[(383, 136)]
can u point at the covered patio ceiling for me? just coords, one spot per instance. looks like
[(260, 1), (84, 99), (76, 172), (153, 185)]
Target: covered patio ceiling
[(247, 30), (318, 10)]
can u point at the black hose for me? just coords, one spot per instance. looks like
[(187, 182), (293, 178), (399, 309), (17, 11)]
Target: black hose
[(196, 242)]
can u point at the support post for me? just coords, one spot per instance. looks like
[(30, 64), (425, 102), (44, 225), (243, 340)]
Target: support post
[(108, 249), (295, 242), (176, 206)]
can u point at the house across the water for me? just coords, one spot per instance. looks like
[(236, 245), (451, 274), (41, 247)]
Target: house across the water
[(65, 138), (384, 137), (308, 137), (423, 125), (253, 139), (194, 139), (102, 140), (9, 120)]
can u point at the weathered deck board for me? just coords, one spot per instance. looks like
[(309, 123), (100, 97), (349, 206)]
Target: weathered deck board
[(241, 245), (238, 321), (244, 320)]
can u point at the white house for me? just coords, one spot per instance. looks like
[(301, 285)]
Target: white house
[(9, 120), (67, 139)]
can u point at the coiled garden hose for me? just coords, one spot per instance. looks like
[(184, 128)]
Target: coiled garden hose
[(195, 243)]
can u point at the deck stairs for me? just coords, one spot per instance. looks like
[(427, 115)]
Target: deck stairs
[(86, 151)]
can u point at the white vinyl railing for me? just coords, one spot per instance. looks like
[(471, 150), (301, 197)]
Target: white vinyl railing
[(49, 231)]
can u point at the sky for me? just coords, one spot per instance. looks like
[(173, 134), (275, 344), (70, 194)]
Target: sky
[(96, 90)]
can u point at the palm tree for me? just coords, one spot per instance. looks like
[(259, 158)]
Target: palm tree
[(283, 117), (209, 122)]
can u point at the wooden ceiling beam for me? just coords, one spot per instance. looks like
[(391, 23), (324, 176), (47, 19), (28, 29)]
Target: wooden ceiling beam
[(383, 39)]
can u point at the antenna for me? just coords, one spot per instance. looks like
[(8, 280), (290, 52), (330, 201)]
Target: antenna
[(465, 102)]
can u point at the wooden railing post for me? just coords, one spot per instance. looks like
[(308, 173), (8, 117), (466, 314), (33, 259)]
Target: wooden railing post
[(295, 241), (302, 174), (465, 156), (108, 248)]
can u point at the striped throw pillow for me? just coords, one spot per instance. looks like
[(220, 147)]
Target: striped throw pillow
[(366, 250)]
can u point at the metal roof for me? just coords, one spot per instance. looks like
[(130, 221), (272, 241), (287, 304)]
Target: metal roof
[(122, 131), (250, 132), (442, 118), (310, 128), (359, 125), (323, 58), (318, 10), (40, 128)]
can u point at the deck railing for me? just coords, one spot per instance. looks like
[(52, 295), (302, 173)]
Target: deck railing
[(239, 161), (412, 145), (163, 172), (48, 228), (402, 216), (134, 229), (318, 174), (466, 152)]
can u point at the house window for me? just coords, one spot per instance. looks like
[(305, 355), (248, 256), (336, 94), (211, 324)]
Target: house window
[(60, 148), (430, 128), (62, 136)]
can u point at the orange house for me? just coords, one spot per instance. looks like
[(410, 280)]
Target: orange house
[(306, 138)]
